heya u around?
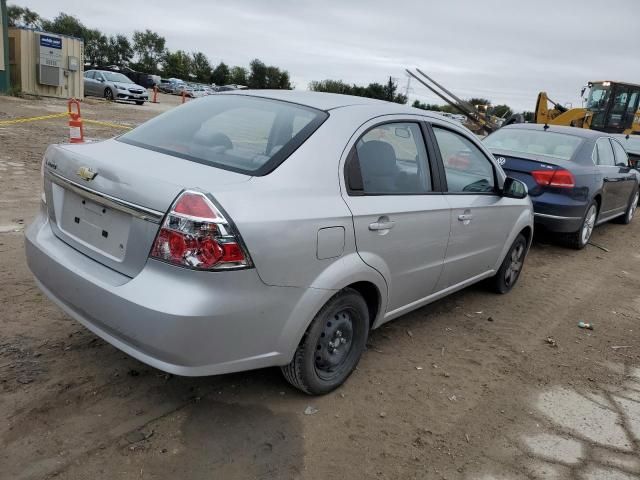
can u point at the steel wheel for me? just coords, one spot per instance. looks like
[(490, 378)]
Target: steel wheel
[(334, 344), (513, 270), (589, 224)]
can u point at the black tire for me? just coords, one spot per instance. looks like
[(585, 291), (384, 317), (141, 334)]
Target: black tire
[(578, 240), (318, 365), (108, 94), (630, 212), (511, 267), (139, 102)]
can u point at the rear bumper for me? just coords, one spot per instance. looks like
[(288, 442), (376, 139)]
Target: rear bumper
[(557, 223), (558, 213), (177, 320)]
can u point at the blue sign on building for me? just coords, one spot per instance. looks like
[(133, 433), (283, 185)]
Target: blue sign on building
[(50, 42)]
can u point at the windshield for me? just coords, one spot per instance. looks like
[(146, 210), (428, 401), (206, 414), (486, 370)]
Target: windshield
[(241, 133), (116, 77), (550, 144)]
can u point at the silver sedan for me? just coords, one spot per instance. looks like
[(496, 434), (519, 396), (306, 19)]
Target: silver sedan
[(272, 228)]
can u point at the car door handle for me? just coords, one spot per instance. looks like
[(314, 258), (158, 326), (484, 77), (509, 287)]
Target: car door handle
[(465, 217), (375, 226)]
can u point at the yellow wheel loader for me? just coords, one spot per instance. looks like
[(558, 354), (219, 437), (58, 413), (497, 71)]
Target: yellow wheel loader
[(611, 107)]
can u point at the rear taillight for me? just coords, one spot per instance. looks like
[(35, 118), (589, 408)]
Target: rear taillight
[(196, 234), (560, 178)]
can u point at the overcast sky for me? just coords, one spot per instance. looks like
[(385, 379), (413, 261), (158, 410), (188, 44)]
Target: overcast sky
[(504, 50)]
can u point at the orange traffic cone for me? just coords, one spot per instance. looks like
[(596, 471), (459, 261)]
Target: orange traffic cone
[(76, 132)]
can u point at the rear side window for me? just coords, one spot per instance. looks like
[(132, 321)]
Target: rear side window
[(467, 169), (390, 159), (621, 154), (90, 74), (604, 153), (235, 132)]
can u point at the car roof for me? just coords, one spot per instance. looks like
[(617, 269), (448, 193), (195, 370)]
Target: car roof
[(573, 131), (324, 101)]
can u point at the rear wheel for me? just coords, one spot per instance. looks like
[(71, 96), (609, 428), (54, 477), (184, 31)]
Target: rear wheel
[(511, 267), (108, 94), (579, 239), (332, 345), (631, 208)]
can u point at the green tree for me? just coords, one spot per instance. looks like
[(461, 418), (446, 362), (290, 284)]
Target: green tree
[(176, 64), (200, 67), (373, 90), (330, 86), (502, 111), (149, 48), (65, 24), (528, 116), (119, 50), (475, 101), (238, 76), (258, 75), (427, 106), (23, 17), (220, 74), (96, 47)]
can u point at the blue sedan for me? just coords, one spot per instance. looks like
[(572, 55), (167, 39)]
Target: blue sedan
[(577, 178)]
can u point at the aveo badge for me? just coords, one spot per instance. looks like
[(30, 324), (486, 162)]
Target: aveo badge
[(86, 173)]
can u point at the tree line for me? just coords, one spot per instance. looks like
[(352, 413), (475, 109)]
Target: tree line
[(146, 51)]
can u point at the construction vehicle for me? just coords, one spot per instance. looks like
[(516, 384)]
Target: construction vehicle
[(610, 107), (479, 119)]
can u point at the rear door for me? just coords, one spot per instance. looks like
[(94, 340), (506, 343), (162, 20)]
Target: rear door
[(614, 196), (481, 219), (629, 180), (400, 216)]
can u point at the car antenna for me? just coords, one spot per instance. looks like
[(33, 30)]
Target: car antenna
[(627, 137), (546, 127)]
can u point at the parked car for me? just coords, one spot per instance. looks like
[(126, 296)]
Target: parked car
[(269, 257), (631, 144), (577, 178), (113, 86)]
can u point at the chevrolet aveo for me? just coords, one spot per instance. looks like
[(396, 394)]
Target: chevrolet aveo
[(262, 229)]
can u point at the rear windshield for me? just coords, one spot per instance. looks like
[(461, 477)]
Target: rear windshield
[(550, 144), (241, 133)]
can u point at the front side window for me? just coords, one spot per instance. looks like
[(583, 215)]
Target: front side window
[(467, 169), (605, 153), (392, 160), (247, 134), (621, 154)]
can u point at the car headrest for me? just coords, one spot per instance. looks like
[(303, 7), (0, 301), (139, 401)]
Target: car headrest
[(379, 157)]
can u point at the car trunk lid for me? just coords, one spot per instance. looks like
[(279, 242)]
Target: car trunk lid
[(107, 199), (520, 165)]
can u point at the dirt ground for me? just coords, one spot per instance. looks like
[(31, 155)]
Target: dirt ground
[(467, 388)]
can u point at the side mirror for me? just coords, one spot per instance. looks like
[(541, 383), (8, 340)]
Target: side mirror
[(513, 188)]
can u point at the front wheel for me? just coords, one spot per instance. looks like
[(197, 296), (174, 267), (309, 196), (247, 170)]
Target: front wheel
[(579, 239), (332, 345), (511, 267), (108, 94)]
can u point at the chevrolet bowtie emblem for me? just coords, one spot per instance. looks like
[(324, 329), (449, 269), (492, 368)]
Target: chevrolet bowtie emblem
[(86, 173)]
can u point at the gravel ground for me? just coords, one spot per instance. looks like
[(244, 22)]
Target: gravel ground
[(476, 386)]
